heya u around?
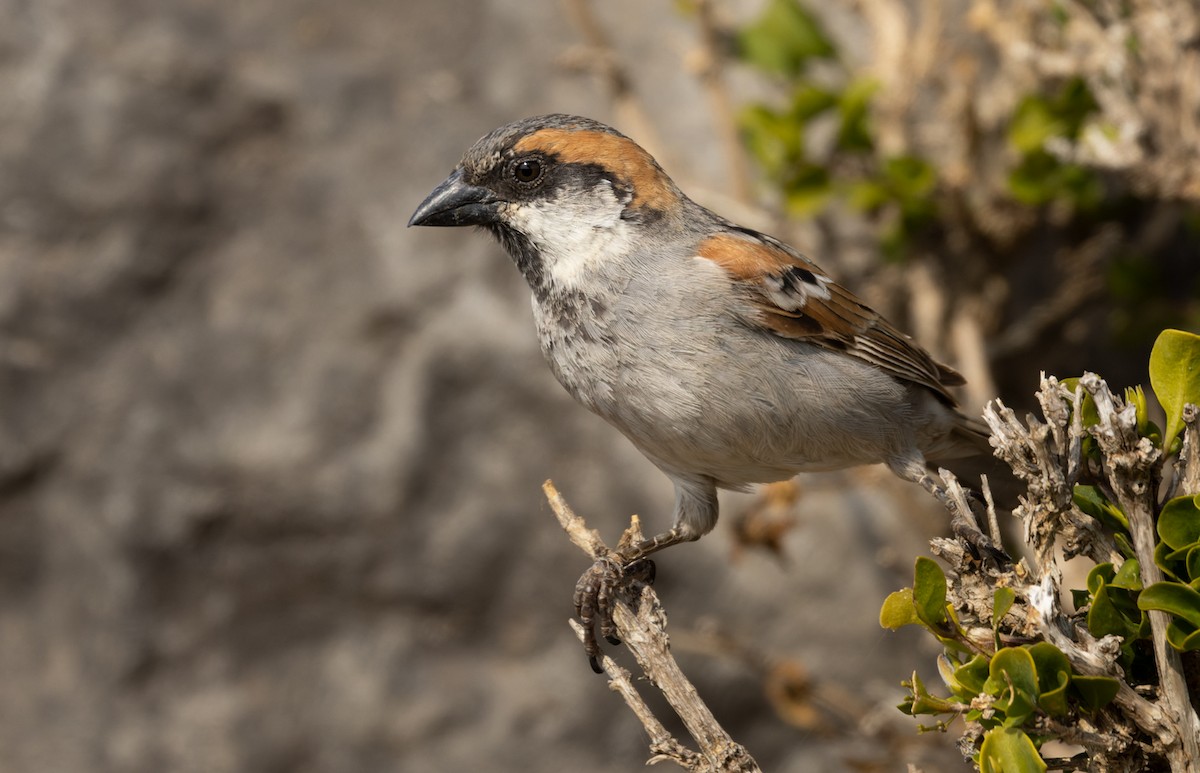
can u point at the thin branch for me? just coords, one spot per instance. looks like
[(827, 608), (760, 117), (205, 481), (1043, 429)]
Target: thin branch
[(663, 745), (641, 625), (1093, 657), (1187, 474)]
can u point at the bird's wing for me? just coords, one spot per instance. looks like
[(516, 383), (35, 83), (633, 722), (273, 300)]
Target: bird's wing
[(793, 299)]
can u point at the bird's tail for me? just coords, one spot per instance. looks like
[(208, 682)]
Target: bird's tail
[(969, 438), (968, 454)]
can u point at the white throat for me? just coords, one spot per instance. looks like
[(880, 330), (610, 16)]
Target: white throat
[(575, 233)]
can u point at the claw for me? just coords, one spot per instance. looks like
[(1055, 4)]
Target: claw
[(967, 530), (595, 596), (642, 569)]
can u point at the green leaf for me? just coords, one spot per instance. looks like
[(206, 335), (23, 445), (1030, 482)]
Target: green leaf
[(1040, 178), (1173, 597), (1179, 522), (910, 177), (1099, 576), (1125, 601), (932, 704), (854, 133), (783, 39), (1009, 750), (806, 188), (1012, 678), (1179, 556), (1053, 699), (809, 101), (1136, 396), (1030, 181), (1017, 707), (1129, 576), (1048, 660), (1105, 619), (868, 195), (1095, 692), (1032, 124), (898, 610), (1053, 675), (1193, 564), (774, 139), (1114, 609), (929, 592), (1073, 104), (973, 674), (1162, 558), (1040, 117), (1089, 415), (1175, 376), (921, 701), (1002, 601), (1092, 501), (952, 645), (1182, 636)]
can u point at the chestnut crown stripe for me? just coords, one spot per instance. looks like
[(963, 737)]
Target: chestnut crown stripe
[(622, 156)]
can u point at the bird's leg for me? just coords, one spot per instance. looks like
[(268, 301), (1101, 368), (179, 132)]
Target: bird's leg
[(695, 515), (595, 593)]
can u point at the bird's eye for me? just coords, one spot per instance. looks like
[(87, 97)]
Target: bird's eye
[(527, 170)]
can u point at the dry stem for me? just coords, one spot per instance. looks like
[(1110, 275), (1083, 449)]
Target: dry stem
[(1046, 453), (641, 625), (1129, 463)]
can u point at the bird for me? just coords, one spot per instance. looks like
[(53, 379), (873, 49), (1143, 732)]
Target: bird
[(724, 355)]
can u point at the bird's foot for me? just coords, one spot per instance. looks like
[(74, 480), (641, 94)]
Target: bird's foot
[(968, 531), (595, 594)]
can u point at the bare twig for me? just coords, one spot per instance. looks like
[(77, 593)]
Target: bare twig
[(1045, 456), (641, 625), (1093, 657), (663, 745), (1046, 453), (1187, 474)]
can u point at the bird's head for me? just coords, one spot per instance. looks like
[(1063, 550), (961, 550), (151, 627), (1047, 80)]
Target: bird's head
[(563, 194)]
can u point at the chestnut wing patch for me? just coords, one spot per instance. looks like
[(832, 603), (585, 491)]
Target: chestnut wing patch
[(793, 299)]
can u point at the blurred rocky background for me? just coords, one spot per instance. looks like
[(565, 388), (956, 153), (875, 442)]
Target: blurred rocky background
[(270, 463)]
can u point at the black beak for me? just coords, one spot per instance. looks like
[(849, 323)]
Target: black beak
[(455, 202)]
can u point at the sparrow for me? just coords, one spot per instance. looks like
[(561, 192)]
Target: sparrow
[(724, 355)]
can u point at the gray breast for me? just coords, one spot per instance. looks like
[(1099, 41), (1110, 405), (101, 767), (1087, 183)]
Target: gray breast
[(577, 340)]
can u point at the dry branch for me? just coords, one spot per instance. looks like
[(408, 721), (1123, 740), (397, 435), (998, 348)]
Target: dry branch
[(1129, 462), (641, 625), (1046, 454)]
